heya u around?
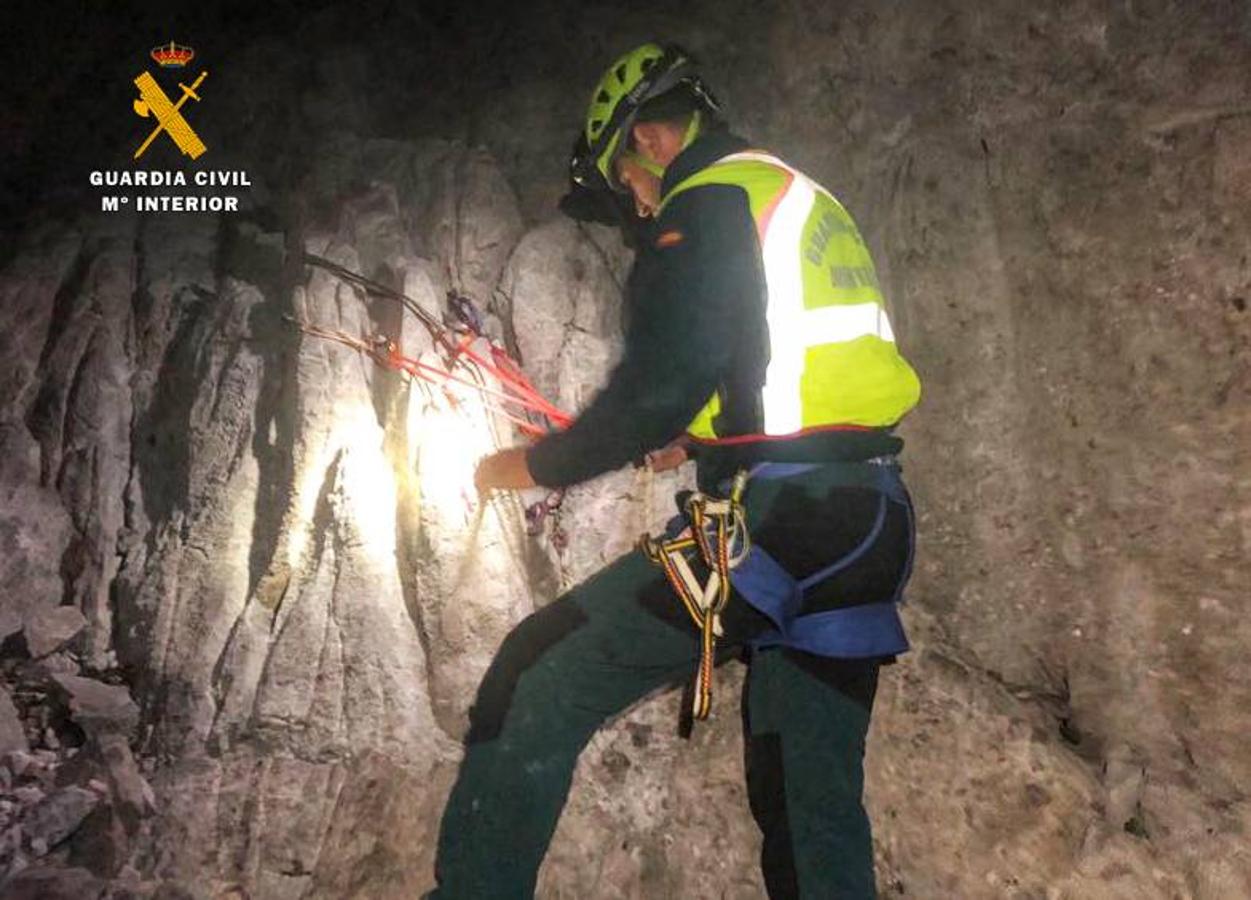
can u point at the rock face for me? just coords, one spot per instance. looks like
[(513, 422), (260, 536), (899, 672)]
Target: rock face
[(50, 628), (58, 815), (98, 708), (304, 583), (274, 540), (12, 735)]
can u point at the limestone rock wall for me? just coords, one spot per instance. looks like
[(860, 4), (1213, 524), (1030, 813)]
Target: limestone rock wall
[(296, 576)]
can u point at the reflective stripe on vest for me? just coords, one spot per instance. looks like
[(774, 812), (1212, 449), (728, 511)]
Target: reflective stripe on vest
[(832, 354)]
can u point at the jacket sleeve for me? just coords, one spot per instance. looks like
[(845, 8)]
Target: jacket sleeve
[(689, 294)]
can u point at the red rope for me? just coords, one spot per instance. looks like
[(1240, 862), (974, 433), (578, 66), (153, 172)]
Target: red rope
[(519, 391), (503, 369), (517, 382), (430, 373)]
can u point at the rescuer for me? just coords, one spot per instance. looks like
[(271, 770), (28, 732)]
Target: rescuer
[(757, 335)]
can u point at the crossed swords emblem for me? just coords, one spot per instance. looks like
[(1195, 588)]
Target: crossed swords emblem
[(153, 101)]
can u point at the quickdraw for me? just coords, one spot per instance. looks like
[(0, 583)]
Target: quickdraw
[(538, 516), (540, 512), (717, 530)]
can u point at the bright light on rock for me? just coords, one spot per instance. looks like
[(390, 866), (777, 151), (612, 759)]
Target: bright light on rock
[(449, 431), (352, 469), (367, 482)]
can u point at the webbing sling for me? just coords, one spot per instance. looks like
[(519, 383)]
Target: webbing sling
[(718, 530)]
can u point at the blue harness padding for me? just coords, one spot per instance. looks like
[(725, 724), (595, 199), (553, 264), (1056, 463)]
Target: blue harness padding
[(867, 630)]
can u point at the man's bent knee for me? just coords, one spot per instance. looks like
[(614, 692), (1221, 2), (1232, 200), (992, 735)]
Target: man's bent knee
[(521, 650)]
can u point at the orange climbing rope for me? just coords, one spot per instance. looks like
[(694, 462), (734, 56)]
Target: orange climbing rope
[(519, 401), (519, 392)]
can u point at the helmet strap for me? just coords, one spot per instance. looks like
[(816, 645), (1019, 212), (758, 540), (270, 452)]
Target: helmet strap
[(692, 130), (643, 162)]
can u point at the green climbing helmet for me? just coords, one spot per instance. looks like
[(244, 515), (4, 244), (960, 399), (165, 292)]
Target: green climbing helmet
[(645, 72)]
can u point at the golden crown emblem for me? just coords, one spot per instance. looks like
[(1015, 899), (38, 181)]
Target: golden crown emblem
[(173, 56)]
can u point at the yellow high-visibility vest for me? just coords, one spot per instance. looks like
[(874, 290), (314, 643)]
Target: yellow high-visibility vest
[(832, 354)]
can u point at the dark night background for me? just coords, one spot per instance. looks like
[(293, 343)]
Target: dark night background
[(416, 69)]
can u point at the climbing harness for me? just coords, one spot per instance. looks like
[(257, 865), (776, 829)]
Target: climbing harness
[(859, 631), (718, 530)]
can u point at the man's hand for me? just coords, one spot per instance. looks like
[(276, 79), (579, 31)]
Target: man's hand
[(666, 458), (506, 470)]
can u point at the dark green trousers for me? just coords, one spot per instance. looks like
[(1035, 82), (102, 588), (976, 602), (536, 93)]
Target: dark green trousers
[(623, 634), (594, 652)]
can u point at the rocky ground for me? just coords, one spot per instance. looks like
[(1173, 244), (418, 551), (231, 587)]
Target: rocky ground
[(74, 800)]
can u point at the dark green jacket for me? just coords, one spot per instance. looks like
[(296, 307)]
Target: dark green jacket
[(695, 301)]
